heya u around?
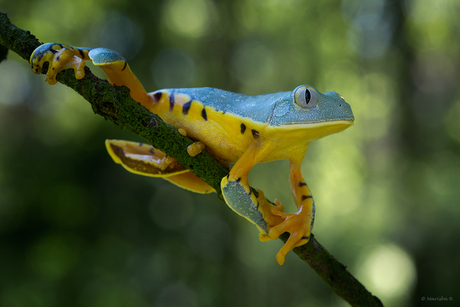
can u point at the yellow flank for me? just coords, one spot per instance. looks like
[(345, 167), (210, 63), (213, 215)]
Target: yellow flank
[(226, 136), (181, 99), (195, 149)]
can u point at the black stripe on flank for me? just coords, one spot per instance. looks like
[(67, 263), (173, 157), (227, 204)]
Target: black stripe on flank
[(301, 184), (203, 114), (255, 134), (171, 102), (81, 53), (186, 107), (126, 64), (305, 197), (157, 96), (243, 128)]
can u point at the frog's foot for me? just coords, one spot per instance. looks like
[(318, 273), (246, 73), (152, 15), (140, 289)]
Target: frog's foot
[(272, 212), (143, 159), (59, 57), (299, 225)]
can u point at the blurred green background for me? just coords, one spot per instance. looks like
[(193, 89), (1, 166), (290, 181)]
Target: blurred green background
[(78, 230)]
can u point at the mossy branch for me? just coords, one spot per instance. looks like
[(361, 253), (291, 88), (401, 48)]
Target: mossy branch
[(115, 104)]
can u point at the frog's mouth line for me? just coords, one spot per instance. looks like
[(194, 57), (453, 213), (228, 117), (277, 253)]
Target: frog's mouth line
[(345, 122)]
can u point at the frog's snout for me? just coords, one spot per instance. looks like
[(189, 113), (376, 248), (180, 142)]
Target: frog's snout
[(343, 108)]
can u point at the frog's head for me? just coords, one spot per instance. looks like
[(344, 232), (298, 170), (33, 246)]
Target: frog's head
[(306, 108)]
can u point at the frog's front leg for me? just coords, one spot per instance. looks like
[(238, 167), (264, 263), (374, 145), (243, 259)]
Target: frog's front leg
[(299, 224), (241, 198), (270, 218), (61, 57), (236, 190)]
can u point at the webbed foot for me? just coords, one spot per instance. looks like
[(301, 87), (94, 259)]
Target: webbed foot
[(298, 224), (59, 57), (143, 159), (269, 218)]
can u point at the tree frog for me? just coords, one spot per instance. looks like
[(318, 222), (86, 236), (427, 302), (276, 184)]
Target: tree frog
[(234, 128)]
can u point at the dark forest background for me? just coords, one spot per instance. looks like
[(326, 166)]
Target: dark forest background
[(78, 230)]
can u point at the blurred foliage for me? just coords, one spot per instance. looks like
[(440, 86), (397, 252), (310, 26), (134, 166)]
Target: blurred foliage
[(77, 230)]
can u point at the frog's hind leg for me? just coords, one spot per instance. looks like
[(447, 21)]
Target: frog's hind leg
[(61, 57), (143, 159), (119, 73)]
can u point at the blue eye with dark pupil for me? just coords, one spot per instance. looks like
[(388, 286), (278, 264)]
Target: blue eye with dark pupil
[(307, 96)]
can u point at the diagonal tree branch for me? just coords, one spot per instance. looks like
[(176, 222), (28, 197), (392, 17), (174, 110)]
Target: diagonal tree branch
[(115, 104)]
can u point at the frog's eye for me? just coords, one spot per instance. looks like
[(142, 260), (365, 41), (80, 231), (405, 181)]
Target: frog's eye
[(306, 97)]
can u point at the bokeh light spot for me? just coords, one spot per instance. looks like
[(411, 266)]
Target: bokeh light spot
[(15, 83), (388, 271), (53, 256), (188, 18)]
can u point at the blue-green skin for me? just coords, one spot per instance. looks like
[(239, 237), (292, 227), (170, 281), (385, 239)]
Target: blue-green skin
[(276, 109)]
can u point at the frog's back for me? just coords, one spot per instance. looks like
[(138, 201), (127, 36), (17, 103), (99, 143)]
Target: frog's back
[(225, 122), (259, 108)]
